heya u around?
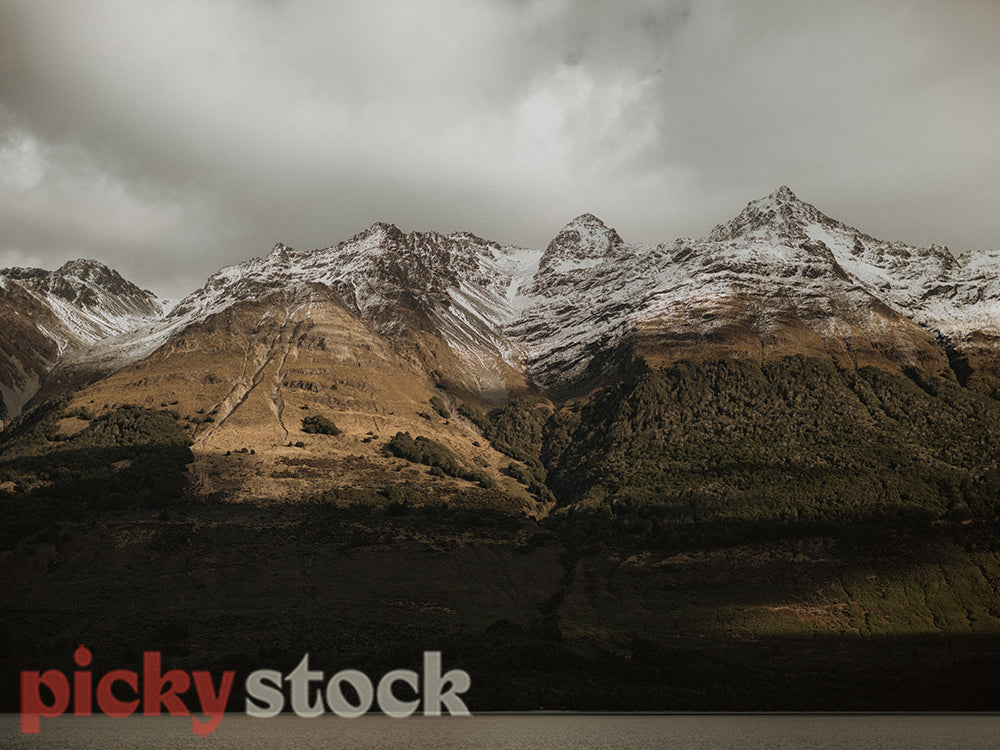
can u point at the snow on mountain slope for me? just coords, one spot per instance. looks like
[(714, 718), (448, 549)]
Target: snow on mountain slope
[(90, 300), (457, 286), (51, 315), (781, 277), (953, 298)]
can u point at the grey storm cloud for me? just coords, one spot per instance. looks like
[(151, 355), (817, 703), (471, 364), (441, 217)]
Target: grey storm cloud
[(170, 138)]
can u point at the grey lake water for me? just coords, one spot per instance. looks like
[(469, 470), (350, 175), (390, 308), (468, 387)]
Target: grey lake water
[(510, 731)]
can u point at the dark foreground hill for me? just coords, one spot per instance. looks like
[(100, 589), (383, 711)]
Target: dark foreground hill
[(725, 536)]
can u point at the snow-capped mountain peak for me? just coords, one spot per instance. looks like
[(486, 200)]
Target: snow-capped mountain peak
[(83, 268), (583, 243), (377, 233), (92, 300), (51, 315), (783, 194), (777, 216)]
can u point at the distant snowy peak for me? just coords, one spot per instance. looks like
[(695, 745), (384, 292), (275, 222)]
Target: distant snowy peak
[(87, 283), (457, 287), (382, 273), (780, 222), (778, 216), (584, 242), (50, 316), (91, 300), (281, 252)]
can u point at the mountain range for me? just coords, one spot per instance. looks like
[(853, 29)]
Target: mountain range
[(372, 330), (779, 278)]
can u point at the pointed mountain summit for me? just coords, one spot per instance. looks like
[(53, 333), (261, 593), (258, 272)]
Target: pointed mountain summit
[(582, 243), (112, 303), (780, 216), (378, 233), (783, 220)]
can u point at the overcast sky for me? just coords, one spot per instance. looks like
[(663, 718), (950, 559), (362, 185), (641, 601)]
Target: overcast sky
[(168, 138)]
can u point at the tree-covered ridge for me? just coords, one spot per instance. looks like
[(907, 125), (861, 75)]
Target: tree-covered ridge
[(127, 457), (516, 429), (37, 431), (794, 440)]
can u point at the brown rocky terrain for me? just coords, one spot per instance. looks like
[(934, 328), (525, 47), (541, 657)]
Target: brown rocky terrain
[(246, 378), (742, 327)]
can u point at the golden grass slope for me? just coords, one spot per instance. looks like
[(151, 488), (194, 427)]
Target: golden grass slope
[(245, 378)]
